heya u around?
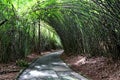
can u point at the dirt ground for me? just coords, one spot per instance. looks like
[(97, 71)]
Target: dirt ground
[(97, 68), (10, 70)]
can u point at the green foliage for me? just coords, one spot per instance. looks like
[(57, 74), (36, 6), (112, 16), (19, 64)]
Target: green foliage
[(19, 35), (49, 38), (84, 27), (22, 63)]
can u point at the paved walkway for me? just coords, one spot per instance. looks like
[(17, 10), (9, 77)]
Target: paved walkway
[(49, 67)]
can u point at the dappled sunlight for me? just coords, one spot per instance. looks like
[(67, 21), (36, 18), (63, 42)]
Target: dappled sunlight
[(90, 28), (70, 76), (41, 67), (39, 74), (58, 63), (46, 74), (81, 61), (55, 69)]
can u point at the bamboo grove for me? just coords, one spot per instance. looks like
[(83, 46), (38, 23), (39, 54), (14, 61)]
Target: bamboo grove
[(77, 26)]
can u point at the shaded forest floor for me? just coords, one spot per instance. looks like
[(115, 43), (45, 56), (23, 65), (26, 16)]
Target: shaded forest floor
[(10, 70), (95, 68)]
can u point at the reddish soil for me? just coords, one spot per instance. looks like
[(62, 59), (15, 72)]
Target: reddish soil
[(10, 70), (97, 68)]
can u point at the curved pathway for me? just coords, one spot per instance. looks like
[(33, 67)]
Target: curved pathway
[(49, 67)]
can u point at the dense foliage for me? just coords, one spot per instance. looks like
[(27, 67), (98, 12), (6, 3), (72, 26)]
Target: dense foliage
[(21, 33), (84, 27)]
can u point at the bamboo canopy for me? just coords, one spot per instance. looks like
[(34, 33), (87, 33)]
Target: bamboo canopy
[(77, 26)]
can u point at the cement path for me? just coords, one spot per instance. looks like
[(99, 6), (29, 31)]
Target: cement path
[(50, 67)]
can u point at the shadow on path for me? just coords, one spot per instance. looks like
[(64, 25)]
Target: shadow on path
[(49, 67)]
